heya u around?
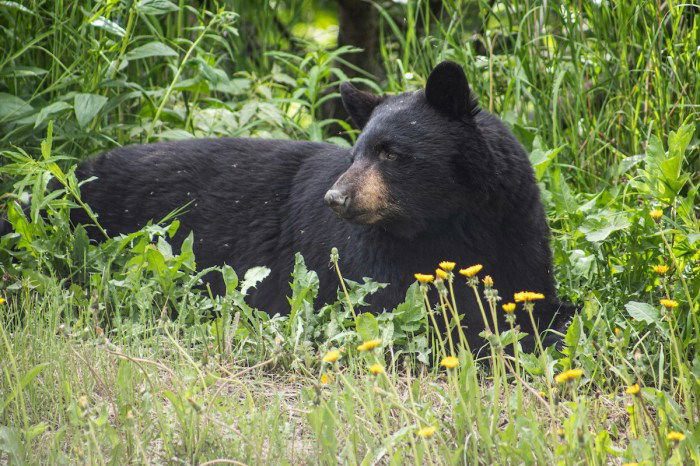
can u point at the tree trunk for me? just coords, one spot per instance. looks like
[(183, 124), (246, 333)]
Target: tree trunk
[(357, 26)]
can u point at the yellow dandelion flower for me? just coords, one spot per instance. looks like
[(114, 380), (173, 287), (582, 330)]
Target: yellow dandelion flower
[(441, 274), (369, 345), (617, 331), (426, 432), (669, 303), (566, 376), (471, 271), (446, 265), (656, 214), (376, 369), (525, 296), (449, 362), (2, 301), (326, 378), (509, 307), (675, 436), (630, 464), (488, 281), (660, 269), (632, 389), (424, 278), (331, 356)]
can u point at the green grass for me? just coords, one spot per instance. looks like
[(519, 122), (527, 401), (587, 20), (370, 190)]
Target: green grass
[(109, 353)]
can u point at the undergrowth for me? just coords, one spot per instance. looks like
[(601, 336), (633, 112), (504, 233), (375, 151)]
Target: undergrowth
[(114, 353)]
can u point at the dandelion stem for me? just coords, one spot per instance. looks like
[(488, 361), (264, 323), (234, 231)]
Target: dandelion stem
[(447, 324), (334, 259), (529, 307), (481, 308), (429, 310)]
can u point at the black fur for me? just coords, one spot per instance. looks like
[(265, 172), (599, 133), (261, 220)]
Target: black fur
[(456, 186)]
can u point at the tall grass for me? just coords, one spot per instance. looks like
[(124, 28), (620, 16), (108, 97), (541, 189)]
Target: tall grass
[(110, 353)]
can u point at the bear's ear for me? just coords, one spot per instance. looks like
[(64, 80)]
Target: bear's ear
[(359, 104), (447, 90)]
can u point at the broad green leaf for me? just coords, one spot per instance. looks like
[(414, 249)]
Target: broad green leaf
[(164, 248), (572, 337), (151, 49), (155, 7), (628, 163), (367, 326), (49, 110), (671, 167), (531, 363), (186, 252), (304, 284), (156, 261), (172, 228), (235, 86), (80, 247), (46, 146), (541, 158), (582, 264), (86, 107), (599, 227), (110, 26), (17, 6), (175, 134), (12, 106), (678, 141), (252, 277), (22, 72), (655, 149), (358, 292), (643, 312), (230, 278)]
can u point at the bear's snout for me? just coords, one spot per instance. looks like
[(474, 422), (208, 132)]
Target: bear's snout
[(360, 195), (337, 200)]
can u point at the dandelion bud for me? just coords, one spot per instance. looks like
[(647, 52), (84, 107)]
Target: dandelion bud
[(331, 356), (449, 362), (656, 214), (369, 345), (632, 389), (675, 436), (424, 278), (669, 303), (471, 271), (448, 266), (426, 432)]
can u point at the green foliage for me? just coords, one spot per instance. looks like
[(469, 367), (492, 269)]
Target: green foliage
[(114, 352)]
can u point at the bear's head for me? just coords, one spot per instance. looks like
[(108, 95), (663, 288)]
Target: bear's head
[(412, 160)]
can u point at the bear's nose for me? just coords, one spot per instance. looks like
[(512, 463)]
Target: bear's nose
[(336, 200)]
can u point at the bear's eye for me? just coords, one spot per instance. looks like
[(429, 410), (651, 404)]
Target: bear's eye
[(384, 155)]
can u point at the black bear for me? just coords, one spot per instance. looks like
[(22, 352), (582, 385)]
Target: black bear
[(431, 177)]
